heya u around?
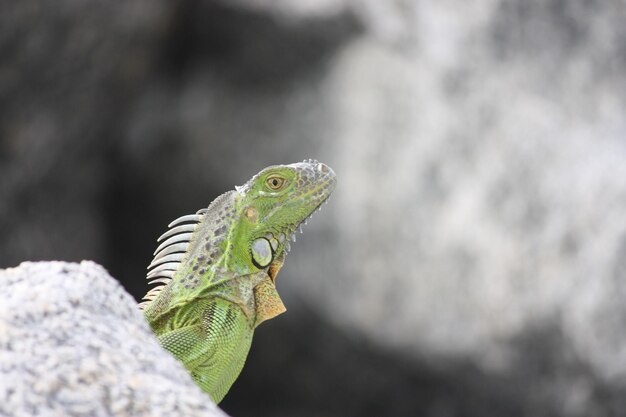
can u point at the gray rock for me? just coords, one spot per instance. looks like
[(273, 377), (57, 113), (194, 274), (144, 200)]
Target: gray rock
[(480, 205), (66, 82), (72, 343)]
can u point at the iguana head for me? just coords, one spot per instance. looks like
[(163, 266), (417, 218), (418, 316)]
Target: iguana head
[(243, 234), (274, 204)]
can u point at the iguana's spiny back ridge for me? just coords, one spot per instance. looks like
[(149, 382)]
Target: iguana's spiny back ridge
[(216, 269)]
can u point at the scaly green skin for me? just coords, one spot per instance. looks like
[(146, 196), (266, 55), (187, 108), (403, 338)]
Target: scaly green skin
[(218, 269)]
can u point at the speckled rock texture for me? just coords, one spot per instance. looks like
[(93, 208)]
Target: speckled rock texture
[(72, 343)]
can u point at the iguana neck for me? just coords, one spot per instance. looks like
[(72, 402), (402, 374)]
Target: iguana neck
[(211, 267)]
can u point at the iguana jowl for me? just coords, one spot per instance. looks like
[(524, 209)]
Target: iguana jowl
[(217, 269)]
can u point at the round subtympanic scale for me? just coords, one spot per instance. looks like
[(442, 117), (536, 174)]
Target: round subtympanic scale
[(261, 252)]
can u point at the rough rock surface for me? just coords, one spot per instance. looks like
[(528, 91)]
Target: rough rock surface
[(72, 343), (481, 197), (487, 201)]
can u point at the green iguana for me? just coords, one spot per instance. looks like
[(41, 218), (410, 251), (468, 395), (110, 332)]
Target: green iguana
[(217, 270)]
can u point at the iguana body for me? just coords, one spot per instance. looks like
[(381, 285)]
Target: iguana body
[(218, 269)]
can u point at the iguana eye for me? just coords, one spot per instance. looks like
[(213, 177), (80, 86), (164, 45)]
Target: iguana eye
[(275, 183)]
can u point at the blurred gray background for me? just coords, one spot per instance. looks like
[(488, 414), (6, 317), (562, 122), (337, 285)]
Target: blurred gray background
[(472, 261)]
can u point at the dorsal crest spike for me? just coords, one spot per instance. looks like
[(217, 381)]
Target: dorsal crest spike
[(188, 218), (174, 257), (175, 246), (170, 253), (168, 266), (177, 230), (183, 237)]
